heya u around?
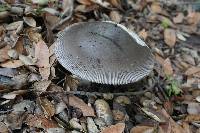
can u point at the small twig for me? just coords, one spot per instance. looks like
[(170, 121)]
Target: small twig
[(83, 93), (6, 111)]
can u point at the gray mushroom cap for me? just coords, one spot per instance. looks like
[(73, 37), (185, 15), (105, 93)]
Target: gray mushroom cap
[(103, 52)]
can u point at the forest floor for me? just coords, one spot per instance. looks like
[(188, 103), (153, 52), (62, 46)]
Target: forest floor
[(38, 95)]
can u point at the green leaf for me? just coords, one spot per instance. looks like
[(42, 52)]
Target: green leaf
[(165, 23), (3, 8)]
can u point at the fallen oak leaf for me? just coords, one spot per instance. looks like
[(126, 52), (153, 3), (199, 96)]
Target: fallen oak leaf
[(117, 128), (79, 103)]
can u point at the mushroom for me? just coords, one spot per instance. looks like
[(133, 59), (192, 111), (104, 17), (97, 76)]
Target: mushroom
[(103, 52)]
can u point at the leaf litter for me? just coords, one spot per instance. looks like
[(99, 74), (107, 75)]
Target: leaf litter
[(37, 94)]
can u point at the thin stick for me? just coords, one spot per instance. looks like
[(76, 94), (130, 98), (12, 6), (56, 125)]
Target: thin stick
[(83, 93)]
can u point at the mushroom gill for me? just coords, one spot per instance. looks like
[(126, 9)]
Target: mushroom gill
[(103, 52)]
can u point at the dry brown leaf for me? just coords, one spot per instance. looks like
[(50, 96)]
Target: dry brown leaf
[(168, 70), (34, 36), (192, 117), (39, 121), (12, 64), (159, 59), (85, 2), (179, 18), (143, 34), (45, 72), (142, 129), (41, 85), (79, 103), (170, 37), (115, 16), (117, 128), (175, 128), (4, 53), (186, 127), (3, 128), (19, 46), (156, 8), (47, 107), (192, 70), (116, 3), (193, 18), (42, 54)]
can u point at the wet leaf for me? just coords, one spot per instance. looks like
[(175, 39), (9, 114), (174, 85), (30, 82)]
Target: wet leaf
[(117, 128), (12, 64), (30, 21), (42, 54), (79, 103), (170, 37)]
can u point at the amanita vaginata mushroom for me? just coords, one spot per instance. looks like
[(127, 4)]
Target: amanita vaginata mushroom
[(103, 52)]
